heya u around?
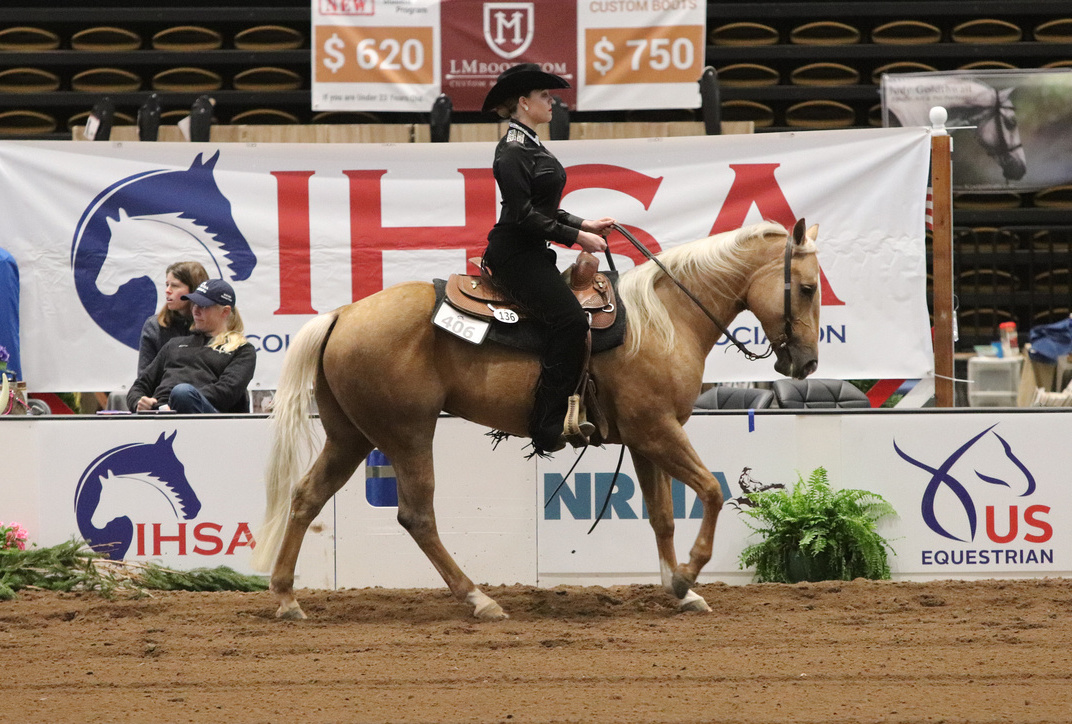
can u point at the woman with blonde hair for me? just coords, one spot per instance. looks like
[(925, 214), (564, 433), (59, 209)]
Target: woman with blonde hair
[(174, 318), (208, 370)]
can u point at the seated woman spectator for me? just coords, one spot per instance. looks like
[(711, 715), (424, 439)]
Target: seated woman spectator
[(206, 371), (174, 318)]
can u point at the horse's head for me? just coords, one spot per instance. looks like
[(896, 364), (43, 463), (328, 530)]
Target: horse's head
[(999, 134), (784, 296)]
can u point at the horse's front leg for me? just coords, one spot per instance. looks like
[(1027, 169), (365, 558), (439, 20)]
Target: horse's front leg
[(669, 448), (655, 485)]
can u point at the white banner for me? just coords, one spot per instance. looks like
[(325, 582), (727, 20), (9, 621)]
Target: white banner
[(976, 495), (375, 61), (301, 229), (984, 492), (640, 55)]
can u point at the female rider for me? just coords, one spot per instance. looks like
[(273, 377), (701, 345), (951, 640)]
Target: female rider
[(518, 258)]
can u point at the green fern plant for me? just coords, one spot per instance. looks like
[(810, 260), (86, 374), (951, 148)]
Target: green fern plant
[(814, 533)]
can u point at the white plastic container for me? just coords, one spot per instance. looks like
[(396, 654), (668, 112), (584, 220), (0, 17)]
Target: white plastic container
[(995, 381)]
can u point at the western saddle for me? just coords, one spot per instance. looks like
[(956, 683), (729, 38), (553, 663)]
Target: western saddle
[(477, 295)]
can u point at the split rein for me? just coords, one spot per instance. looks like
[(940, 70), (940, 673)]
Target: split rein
[(749, 354)]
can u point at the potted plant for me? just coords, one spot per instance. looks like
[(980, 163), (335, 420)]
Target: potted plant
[(814, 533)]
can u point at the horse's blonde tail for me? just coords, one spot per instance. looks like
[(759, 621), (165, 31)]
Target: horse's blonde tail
[(292, 434)]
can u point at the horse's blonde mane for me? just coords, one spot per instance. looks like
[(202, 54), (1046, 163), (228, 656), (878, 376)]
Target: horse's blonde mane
[(706, 265)]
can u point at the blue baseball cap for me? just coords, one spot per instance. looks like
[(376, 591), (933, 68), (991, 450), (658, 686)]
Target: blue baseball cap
[(212, 292)]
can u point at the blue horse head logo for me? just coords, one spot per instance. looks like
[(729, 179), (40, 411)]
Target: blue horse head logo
[(948, 476), (138, 226), (143, 474)]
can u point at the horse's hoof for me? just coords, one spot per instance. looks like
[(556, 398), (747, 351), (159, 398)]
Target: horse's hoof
[(291, 612), (693, 602), (491, 612), (681, 583), (484, 607)]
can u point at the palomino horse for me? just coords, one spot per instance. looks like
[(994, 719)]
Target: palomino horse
[(382, 374)]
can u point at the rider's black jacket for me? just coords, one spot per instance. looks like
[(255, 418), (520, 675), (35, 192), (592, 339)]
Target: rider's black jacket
[(530, 180)]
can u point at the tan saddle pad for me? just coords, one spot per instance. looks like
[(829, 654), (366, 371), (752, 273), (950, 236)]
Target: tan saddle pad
[(474, 295)]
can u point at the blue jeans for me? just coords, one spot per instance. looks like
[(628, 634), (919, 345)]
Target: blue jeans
[(187, 399)]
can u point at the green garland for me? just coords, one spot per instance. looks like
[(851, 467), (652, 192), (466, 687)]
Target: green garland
[(74, 566)]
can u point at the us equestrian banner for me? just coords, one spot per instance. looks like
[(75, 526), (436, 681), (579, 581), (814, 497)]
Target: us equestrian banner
[(399, 55), (1010, 127), (299, 229)]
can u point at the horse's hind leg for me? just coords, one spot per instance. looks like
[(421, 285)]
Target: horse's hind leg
[(416, 488), (655, 485), (343, 451), (335, 465)]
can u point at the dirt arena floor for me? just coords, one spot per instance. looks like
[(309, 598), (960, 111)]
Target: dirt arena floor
[(991, 651)]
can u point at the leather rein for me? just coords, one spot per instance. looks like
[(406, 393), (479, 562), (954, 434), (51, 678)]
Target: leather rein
[(787, 320)]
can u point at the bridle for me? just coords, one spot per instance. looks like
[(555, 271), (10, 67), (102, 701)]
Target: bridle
[(787, 320), (993, 113)]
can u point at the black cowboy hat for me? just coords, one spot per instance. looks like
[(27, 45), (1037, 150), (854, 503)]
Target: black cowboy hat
[(520, 80)]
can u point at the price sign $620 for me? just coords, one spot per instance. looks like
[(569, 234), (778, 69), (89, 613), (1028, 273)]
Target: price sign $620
[(401, 55)]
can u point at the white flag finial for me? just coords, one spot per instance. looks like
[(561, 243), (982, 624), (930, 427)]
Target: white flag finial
[(939, 116)]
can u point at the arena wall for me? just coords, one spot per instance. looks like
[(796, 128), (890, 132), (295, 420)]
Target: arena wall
[(978, 495)]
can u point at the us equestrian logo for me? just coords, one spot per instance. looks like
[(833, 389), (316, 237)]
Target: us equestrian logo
[(147, 481), (133, 229), (958, 491)]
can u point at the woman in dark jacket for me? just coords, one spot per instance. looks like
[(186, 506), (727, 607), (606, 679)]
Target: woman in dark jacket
[(518, 257), (174, 318)]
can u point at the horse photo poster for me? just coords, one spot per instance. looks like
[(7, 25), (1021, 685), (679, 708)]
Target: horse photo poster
[(300, 229), (1010, 127)]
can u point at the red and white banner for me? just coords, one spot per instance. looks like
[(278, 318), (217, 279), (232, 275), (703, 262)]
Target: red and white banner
[(301, 229), (375, 55)]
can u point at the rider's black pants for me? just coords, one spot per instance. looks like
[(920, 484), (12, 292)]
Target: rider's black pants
[(527, 273)]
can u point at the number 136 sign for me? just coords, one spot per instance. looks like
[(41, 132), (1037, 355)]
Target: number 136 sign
[(399, 55)]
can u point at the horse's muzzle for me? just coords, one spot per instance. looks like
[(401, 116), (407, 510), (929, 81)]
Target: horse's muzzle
[(796, 365), (1012, 168)]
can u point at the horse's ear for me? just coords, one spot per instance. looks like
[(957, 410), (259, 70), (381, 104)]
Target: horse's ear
[(798, 231), (171, 440), (812, 233)]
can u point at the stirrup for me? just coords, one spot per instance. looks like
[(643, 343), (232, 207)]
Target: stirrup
[(575, 429)]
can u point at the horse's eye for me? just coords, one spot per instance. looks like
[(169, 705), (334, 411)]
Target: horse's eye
[(807, 290), (1010, 123)]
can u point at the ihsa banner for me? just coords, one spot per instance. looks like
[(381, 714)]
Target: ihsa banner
[(301, 229)]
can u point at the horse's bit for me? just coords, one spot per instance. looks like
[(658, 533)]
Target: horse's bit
[(787, 328)]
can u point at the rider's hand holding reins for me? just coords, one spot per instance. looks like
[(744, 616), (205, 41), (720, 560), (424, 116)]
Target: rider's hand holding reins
[(592, 232)]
